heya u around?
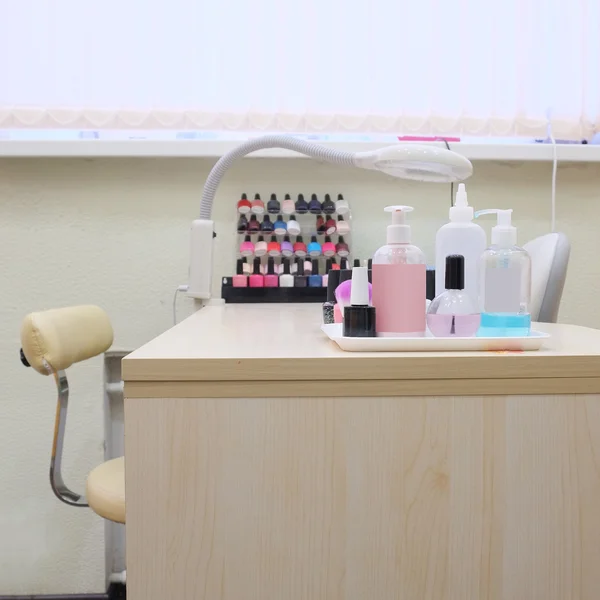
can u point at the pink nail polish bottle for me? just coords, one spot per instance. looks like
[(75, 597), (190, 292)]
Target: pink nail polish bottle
[(328, 247), (247, 247), (258, 206), (307, 267), (257, 279), (261, 246), (342, 227), (342, 248), (271, 278), (330, 226), (287, 206), (240, 280)]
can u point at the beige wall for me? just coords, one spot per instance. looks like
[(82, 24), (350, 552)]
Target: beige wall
[(115, 232)]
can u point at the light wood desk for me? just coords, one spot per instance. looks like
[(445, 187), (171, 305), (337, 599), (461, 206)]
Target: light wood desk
[(262, 463)]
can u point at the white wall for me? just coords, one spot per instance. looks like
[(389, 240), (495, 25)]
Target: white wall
[(114, 232)]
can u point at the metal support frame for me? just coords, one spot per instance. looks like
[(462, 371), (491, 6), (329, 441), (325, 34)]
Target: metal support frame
[(61, 491)]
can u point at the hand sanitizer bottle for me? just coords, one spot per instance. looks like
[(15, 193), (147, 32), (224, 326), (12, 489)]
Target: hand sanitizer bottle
[(399, 281), (505, 282), (460, 236)]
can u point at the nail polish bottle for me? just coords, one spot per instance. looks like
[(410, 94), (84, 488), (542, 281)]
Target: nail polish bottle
[(280, 226), (242, 225), (247, 247), (341, 247), (453, 313), (315, 280), (266, 225), (257, 279), (321, 225), (330, 226), (287, 206), (327, 269), (328, 247), (314, 248), (286, 279), (273, 247), (286, 247), (359, 317), (253, 224), (334, 265), (329, 306), (244, 205), (301, 205), (314, 206), (271, 278), (273, 206), (344, 265), (247, 269), (342, 227), (338, 310), (300, 247), (258, 206), (260, 249), (300, 280), (293, 227), (341, 206), (307, 267), (328, 205), (239, 279)]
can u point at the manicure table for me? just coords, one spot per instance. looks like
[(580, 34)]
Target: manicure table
[(264, 463)]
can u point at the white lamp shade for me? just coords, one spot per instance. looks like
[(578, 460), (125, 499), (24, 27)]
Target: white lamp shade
[(418, 162)]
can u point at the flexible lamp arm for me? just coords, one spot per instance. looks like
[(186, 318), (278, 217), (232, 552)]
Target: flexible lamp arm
[(406, 161), (268, 141)]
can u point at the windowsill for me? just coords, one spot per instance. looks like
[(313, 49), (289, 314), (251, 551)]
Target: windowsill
[(214, 149)]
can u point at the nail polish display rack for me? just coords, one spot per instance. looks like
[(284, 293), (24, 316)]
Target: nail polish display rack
[(312, 237)]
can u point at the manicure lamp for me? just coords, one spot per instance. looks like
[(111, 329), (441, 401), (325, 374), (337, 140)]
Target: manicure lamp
[(406, 161)]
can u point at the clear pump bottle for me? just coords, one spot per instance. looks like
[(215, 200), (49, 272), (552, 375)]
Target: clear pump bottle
[(399, 281), (505, 282)]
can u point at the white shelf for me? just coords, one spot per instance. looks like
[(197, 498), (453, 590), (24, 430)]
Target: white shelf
[(215, 149)]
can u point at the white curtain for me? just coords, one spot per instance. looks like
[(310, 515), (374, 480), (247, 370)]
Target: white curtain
[(470, 67)]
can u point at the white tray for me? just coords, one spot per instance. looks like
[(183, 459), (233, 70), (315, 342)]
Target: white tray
[(533, 341)]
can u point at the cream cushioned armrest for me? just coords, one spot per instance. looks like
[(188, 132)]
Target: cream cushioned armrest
[(53, 340), (105, 490)]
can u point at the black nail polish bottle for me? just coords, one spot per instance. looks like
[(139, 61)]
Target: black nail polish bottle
[(314, 206), (301, 205), (359, 317), (242, 225), (328, 205), (300, 280), (266, 225), (273, 206)]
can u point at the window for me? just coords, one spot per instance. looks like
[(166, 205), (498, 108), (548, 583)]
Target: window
[(421, 67)]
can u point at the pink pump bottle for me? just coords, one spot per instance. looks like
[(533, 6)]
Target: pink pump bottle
[(399, 281)]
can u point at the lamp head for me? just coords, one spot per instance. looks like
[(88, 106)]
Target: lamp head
[(418, 162)]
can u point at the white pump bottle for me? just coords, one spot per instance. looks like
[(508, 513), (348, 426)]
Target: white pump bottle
[(460, 236)]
